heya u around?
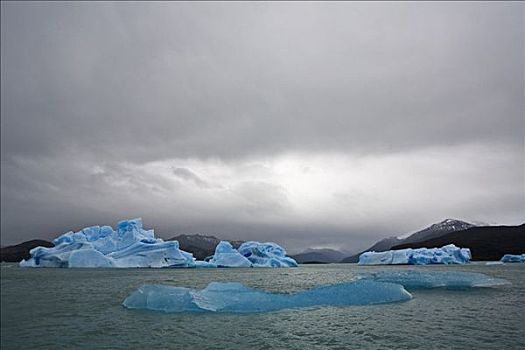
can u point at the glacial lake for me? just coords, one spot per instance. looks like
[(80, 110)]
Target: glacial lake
[(82, 309)]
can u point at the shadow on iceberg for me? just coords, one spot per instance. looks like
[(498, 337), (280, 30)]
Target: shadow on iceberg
[(236, 298), (434, 279)]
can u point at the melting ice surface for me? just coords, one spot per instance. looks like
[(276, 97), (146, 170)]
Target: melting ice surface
[(434, 279), (132, 246), (510, 258), (236, 298), (449, 254)]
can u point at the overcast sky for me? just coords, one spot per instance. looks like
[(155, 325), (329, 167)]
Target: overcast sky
[(309, 124)]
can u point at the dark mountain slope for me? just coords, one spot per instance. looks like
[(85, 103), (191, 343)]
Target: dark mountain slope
[(16, 253), (485, 243), (319, 256)]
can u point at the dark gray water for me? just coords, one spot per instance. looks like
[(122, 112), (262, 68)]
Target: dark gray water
[(81, 309)]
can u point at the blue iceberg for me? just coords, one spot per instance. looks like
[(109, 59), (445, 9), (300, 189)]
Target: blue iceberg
[(251, 254), (128, 246), (510, 258), (266, 254), (236, 298), (227, 256), (434, 279), (449, 254)]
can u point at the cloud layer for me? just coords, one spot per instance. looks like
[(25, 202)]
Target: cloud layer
[(308, 123)]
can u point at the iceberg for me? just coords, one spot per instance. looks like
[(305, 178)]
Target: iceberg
[(434, 279), (237, 298), (266, 254), (510, 258), (449, 254), (128, 246), (227, 256), (251, 254)]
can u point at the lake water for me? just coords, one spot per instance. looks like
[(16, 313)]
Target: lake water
[(82, 309)]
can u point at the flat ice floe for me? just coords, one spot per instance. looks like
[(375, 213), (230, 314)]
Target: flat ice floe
[(236, 298), (512, 258), (449, 254), (434, 279)]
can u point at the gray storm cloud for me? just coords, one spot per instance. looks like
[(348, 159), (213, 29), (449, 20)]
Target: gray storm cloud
[(307, 123), (188, 175)]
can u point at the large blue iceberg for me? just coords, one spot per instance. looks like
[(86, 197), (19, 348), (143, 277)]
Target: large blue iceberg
[(510, 258), (251, 254), (236, 298), (132, 246), (434, 279), (449, 254), (127, 246), (266, 255)]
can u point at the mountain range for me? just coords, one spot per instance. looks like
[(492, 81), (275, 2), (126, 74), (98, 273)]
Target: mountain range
[(485, 242), (323, 256), (15, 253)]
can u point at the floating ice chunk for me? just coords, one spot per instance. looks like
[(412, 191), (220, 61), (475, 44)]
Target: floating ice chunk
[(162, 298), (129, 246), (494, 263), (236, 298), (510, 258), (251, 254), (390, 257), (266, 254), (449, 254), (227, 256), (435, 279)]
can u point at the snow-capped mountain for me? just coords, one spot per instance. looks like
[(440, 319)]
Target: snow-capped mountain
[(436, 230)]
